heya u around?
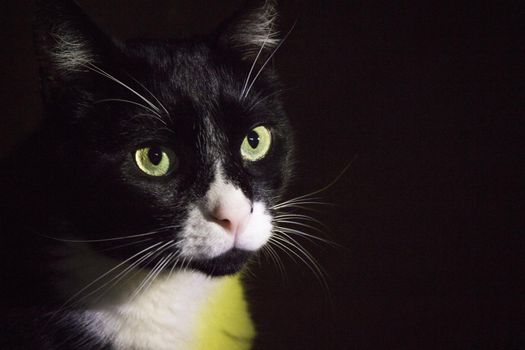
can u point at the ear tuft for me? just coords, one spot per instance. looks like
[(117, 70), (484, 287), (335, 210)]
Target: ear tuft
[(253, 29), (71, 51), (65, 38)]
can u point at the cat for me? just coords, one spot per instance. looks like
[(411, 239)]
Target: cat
[(128, 217)]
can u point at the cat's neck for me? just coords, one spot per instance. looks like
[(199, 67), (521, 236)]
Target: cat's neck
[(166, 315), (184, 309)]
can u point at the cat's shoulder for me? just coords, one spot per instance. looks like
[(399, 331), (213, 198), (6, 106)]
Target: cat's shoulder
[(31, 328)]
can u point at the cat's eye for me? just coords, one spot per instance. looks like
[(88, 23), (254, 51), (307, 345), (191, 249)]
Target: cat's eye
[(155, 160), (256, 144)]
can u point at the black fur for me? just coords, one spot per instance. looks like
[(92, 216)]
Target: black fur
[(76, 177)]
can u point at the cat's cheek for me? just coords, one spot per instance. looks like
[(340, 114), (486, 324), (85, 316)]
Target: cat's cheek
[(258, 231)]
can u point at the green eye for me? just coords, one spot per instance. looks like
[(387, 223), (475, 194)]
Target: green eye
[(256, 144), (155, 160)]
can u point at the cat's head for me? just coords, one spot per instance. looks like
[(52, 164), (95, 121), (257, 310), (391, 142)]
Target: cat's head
[(181, 145)]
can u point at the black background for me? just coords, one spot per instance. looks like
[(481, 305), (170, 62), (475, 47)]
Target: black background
[(428, 99)]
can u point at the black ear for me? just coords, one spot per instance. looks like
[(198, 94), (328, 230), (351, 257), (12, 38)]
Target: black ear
[(66, 42), (252, 30)]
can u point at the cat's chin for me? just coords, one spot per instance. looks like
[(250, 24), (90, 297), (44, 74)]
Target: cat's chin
[(225, 264)]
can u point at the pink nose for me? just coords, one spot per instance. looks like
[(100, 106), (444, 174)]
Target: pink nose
[(233, 217)]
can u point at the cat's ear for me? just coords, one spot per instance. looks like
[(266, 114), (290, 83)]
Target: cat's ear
[(67, 42), (252, 30)]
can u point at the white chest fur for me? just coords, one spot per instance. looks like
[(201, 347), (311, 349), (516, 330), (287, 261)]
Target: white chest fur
[(165, 316)]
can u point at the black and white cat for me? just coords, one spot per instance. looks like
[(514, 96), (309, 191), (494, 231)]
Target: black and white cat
[(128, 216)]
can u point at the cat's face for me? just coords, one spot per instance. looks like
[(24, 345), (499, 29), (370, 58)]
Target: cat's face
[(182, 145)]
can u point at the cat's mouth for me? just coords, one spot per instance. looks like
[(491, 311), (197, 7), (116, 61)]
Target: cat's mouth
[(227, 263)]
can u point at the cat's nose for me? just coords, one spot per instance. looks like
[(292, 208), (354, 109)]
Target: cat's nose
[(232, 215)]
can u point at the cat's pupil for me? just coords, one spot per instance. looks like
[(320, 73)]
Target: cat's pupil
[(253, 139), (155, 155)]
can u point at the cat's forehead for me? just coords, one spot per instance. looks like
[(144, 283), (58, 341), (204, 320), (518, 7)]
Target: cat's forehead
[(191, 71)]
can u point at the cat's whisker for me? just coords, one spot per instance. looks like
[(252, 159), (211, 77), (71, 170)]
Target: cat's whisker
[(307, 235), (154, 114), (309, 239), (268, 249), (275, 241), (160, 250), (269, 59), (298, 217), (298, 198), (108, 239), (146, 279), (158, 272), (151, 93), (175, 261), (165, 128), (100, 71), (296, 223), (288, 243), (68, 301), (117, 278), (255, 61), (299, 201), (124, 245), (128, 269), (307, 195), (262, 99), (293, 242), (292, 208), (188, 264)]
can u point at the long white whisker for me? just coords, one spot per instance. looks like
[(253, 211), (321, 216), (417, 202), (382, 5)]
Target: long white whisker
[(277, 261), (300, 219), (154, 114), (175, 261), (296, 216), (262, 99), (124, 245), (160, 250), (147, 278), (293, 208), (255, 61), (151, 93), (290, 240), (274, 240), (305, 196), (298, 202), (268, 59), (307, 235), (312, 264), (114, 281), (100, 71), (298, 224), (109, 239), (102, 276), (158, 272)]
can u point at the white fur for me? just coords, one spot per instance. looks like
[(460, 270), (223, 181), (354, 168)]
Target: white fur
[(163, 317), (257, 29), (205, 238), (71, 52)]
